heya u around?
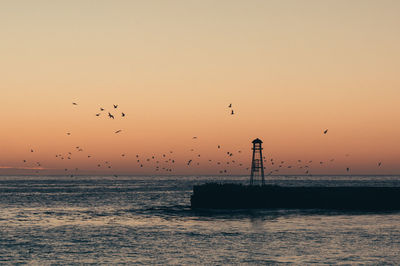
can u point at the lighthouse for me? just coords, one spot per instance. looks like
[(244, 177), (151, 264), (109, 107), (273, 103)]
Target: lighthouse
[(257, 166)]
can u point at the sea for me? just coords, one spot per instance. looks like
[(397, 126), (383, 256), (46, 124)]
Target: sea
[(48, 220)]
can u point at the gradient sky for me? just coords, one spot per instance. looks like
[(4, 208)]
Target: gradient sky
[(291, 69)]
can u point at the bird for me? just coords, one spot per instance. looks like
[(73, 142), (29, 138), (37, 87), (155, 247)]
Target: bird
[(24, 161), (74, 104), (101, 109), (232, 112), (98, 114), (110, 115), (347, 169), (379, 164), (69, 134), (194, 137), (118, 131), (31, 150), (115, 106), (326, 131), (123, 114), (230, 105), (219, 146)]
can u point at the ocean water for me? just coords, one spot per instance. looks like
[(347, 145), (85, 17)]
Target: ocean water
[(148, 220)]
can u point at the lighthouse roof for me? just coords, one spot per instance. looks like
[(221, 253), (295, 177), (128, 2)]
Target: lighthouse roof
[(257, 140)]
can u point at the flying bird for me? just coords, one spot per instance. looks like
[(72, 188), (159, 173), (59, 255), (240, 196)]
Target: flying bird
[(232, 112), (98, 114), (31, 150), (69, 134), (347, 169), (230, 105), (326, 131), (110, 115), (194, 137), (379, 164), (118, 131), (123, 114), (115, 106), (101, 109), (74, 104)]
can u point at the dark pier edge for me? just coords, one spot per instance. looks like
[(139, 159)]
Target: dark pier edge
[(236, 196)]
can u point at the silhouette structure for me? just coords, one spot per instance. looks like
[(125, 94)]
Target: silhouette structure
[(239, 196), (257, 167)]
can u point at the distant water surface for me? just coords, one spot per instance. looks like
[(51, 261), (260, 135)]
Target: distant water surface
[(148, 220)]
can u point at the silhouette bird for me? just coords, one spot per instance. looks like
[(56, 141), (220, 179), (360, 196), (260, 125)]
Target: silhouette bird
[(110, 115), (115, 106), (101, 109), (232, 112), (379, 164), (123, 114), (219, 146), (69, 134), (98, 114), (118, 131), (31, 150), (347, 169), (24, 161), (230, 105), (326, 131), (194, 137), (74, 104)]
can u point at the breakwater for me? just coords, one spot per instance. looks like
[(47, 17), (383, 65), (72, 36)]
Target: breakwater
[(236, 196)]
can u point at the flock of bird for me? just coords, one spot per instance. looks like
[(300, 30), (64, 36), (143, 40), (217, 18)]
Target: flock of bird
[(166, 162)]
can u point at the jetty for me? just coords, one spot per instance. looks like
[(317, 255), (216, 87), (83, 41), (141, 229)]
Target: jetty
[(236, 196)]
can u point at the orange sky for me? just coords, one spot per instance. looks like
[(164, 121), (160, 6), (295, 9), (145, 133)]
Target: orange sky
[(290, 68)]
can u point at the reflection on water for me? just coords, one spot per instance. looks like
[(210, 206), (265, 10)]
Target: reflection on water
[(45, 220)]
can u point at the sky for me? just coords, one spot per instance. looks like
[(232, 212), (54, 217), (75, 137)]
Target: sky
[(291, 69)]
